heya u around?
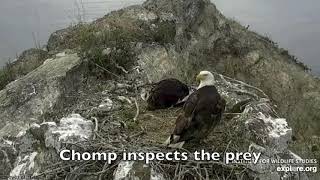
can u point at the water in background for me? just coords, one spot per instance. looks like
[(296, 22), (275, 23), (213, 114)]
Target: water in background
[(295, 24), (28, 23)]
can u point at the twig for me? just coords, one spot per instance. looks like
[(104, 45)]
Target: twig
[(53, 170), (97, 134), (227, 147), (239, 91), (96, 126), (142, 132), (244, 84), (105, 69), (232, 113), (137, 135), (216, 175), (207, 174), (103, 169), (177, 169), (121, 68), (138, 110), (230, 174)]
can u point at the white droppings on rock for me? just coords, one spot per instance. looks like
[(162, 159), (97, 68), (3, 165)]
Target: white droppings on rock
[(23, 166), (71, 129), (277, 126), (123, 170), (278, 131), (17, 170), (74, 126), (31, 159)]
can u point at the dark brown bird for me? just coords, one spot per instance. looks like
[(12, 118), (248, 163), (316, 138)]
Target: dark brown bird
[(201, 113), (166, 93)]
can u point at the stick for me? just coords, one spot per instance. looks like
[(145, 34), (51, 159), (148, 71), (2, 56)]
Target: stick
[(243, 83), (121, 68), (137, 135), (103, 169), (138, 110), (105, 69)]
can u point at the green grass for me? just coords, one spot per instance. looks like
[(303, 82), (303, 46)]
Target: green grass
[(6, 75), (119, 41)]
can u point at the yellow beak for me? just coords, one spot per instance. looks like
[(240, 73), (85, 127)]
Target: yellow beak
[(199, 77)]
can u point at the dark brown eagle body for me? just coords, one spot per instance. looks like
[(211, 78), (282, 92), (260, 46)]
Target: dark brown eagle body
[(202, 111), (166, 93)]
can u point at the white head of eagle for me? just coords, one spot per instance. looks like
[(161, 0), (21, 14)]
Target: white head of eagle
[(205, 78)]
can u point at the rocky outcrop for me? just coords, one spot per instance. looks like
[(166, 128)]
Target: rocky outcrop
[(41, 143), (255, 126), (205, 38), (41, 92)]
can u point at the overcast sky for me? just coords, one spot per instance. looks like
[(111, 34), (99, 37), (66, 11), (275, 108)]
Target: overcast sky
[(295, 24)]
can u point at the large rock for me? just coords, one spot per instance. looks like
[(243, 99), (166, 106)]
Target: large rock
[(41, 144), (27, 61), (205, 38), (43, 91)]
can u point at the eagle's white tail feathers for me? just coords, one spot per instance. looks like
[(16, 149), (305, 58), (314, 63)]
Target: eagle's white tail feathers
[(167, 142), (170, 142)]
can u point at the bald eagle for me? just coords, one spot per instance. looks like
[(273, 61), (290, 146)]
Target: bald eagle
[(166, 93), (201, 113)]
